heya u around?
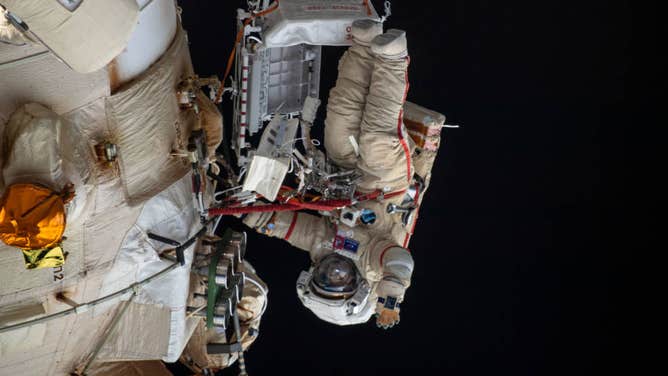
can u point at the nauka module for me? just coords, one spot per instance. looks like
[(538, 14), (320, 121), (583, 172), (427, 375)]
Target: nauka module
[(117, 170)]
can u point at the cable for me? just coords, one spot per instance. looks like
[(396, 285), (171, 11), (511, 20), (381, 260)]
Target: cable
[(237, 40), (262, 290), (253, 209), (258, 40), (107, 334), (81, 308), (215, 225), (145, 5)]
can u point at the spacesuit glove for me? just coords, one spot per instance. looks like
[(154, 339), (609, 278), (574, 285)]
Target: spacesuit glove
[(390, 293), (387, 315)]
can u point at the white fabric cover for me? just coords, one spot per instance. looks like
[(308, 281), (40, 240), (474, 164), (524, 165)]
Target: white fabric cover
[(147, 125), (10, 53), (155, 30), (64, 157), (88, 38), (27, 76), (24, 339), (125, 344), (63, 344), (138, 368), (160, 307), (39, 148), (265, 175), (317, 22), (32, 150), (30, 77), (170, 214)]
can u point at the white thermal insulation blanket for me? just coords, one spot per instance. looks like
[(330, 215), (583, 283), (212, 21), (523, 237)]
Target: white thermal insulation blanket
[(317, 22), (147, 125), (40, 149), (86, 38), (27, 75), (138, 368), (170, 214)]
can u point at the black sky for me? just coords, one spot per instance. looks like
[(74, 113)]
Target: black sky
[(518, 267)]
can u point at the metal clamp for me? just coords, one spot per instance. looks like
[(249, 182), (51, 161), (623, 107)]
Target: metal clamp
[(407, 213)]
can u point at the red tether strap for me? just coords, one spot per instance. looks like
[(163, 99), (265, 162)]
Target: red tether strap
[(292, 225)]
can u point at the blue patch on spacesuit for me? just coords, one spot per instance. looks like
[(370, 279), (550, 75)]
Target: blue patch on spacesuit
[(348, 244), (351, 245)]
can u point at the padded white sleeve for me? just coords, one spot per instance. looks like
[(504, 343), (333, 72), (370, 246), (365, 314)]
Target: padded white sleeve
[(397, 268), (302, 230)]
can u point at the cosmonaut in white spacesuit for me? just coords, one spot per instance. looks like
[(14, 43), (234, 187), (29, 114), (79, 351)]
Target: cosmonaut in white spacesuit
[(361, 270)]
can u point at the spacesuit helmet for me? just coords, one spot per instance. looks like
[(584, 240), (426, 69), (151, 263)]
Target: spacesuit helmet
[(335, 277), (335, 291)]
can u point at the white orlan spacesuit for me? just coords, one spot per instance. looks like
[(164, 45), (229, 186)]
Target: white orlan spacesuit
[(359, 270)]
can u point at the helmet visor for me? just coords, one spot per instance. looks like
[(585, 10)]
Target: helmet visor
[(335, 276)]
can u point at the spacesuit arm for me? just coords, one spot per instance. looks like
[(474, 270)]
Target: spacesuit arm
[(395, 265), (302, 230)]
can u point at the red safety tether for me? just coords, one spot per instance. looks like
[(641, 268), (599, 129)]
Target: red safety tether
[(293, 205)]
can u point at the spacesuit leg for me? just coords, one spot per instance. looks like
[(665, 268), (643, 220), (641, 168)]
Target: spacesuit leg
[(384, 146), (347, 99)]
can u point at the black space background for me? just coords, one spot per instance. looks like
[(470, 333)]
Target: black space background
[(519, 250)]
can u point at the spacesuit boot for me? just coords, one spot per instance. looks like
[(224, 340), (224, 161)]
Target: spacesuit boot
[(391, 45), (364, 31)]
